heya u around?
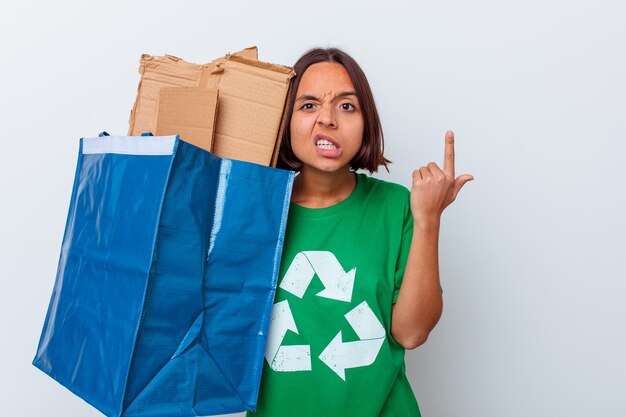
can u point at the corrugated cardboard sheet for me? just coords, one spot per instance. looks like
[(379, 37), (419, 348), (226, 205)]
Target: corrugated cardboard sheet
[(250, 105), (188, 112)]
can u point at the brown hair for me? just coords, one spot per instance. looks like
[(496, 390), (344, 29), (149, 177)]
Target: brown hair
[(371, 154)]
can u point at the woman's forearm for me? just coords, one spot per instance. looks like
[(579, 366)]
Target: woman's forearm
[(419, 304)]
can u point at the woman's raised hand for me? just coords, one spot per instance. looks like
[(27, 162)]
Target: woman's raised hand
[(433, 189)]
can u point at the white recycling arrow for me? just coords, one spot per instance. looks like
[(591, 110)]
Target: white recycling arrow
[(339, 356), (338, 284), (285, 358)]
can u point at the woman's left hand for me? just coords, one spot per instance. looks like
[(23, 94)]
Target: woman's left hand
[(433, 189)]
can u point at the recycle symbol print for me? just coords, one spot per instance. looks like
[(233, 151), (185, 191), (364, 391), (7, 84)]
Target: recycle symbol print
[(338, 285)]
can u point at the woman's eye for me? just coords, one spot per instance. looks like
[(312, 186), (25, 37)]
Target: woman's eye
[(307, 106), (347, 106)]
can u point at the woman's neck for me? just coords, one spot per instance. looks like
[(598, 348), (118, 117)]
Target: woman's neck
[(318, 189)]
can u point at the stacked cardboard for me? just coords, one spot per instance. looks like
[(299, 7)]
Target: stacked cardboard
[(233, 106)]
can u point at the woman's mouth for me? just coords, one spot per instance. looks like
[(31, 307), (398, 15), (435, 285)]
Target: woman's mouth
[(325, 144)]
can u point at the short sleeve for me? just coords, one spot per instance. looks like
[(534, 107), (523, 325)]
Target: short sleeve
[(405, 246)]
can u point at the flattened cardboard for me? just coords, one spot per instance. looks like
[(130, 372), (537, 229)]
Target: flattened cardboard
[(251, 103), (168, 71), (188, 112), (251, 106)]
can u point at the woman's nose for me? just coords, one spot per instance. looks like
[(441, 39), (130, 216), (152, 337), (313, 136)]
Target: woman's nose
[(327, 116)]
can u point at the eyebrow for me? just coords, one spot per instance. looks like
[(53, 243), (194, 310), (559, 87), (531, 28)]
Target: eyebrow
[(312, 97)]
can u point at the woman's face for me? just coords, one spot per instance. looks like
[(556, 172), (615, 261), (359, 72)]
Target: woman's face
[(327, 122)]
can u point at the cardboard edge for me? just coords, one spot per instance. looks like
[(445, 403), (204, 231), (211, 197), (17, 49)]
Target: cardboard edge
[(265, 65), (251, 52), (217, 109), (283, 125)]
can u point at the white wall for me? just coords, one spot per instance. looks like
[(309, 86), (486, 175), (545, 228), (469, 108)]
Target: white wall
[(534, 284)]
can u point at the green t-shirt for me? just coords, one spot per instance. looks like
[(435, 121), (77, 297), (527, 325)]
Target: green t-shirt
[(330, 351)]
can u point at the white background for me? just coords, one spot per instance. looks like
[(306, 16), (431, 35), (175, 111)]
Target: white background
[(532, 252)]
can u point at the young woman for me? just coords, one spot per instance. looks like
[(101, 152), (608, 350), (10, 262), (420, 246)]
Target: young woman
[(359, 279)]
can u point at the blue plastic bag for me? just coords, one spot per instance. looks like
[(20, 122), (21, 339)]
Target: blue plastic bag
[(166, 279)]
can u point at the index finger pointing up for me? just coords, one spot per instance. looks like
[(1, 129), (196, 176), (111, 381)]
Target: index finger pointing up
[(448, 160)]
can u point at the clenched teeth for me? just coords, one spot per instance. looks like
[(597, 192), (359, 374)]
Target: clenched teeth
[(325, 144)]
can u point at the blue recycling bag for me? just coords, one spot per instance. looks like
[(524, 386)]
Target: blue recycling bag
[(166, 279)]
